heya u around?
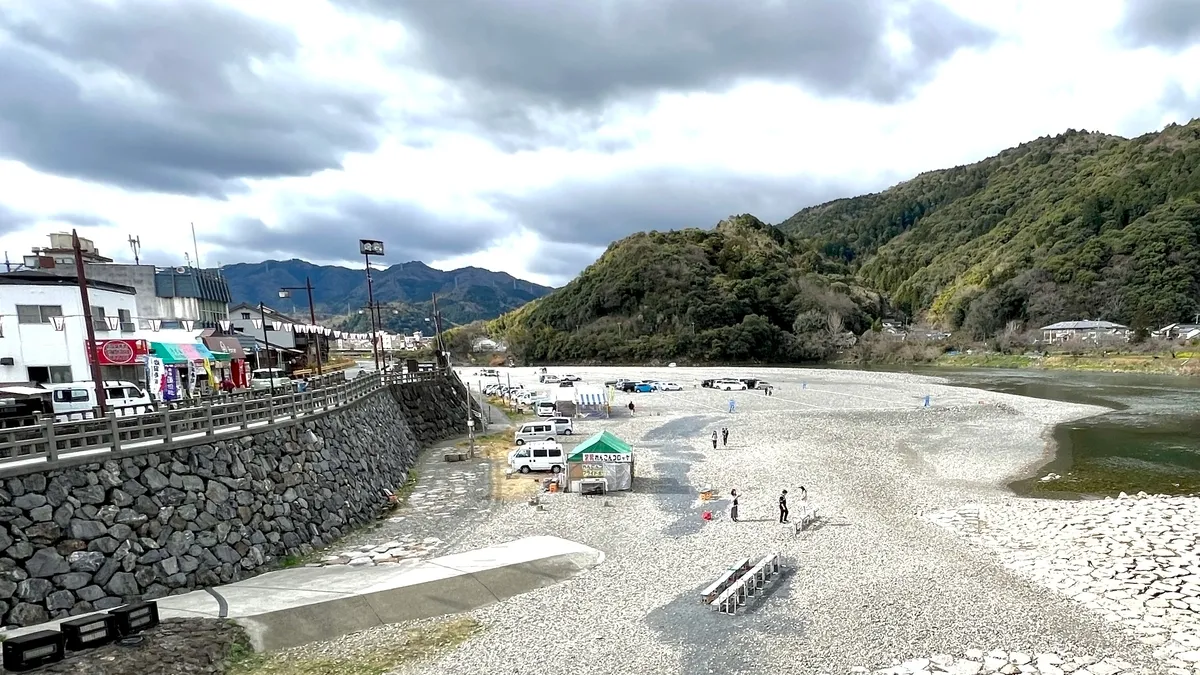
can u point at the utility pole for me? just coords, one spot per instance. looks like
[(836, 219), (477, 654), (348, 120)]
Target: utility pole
[(135, 243), (286, 292), (93, 353), (262, 317), (195, 249)]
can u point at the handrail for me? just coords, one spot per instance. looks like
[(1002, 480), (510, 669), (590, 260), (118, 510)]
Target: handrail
[(49, 441)]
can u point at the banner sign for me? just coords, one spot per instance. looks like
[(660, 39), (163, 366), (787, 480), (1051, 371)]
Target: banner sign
[(607, 457), (156, 377), (120, 352), (171, 389)]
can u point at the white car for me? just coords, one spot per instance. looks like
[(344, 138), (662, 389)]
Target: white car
[(729, 385), (669, 386)]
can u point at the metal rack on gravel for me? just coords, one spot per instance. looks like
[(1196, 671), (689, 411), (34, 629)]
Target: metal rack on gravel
[(808, 515), (741, 582)]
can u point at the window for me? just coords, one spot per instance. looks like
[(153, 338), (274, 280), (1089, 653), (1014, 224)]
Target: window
[(70, 395), (37, 313), (98, 321), (126, 321), (556, 452), (539, 452), (59, 374), (245, 315)]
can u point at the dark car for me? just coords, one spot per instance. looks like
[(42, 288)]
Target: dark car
[(628, 386), (751, 382), (707, 384)]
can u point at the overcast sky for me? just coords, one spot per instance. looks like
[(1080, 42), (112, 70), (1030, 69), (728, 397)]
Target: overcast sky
[(526, 135)]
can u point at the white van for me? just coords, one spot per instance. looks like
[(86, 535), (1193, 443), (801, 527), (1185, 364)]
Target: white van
[(546, 409), (562, 425), (541, 430), (261, 379), (538, 456), (76, 400)]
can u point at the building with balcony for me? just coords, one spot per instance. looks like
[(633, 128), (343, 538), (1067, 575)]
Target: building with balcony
[(167, 297)]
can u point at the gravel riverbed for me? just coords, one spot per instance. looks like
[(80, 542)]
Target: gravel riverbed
[(874, 587)]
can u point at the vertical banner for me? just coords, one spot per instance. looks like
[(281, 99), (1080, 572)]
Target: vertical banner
[(171, 388), (191, 375), (155, 372)]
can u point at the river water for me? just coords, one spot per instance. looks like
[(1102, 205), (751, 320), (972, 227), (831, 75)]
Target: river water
[(1149, 440)]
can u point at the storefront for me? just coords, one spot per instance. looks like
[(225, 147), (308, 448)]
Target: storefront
[(177, 371), (122, 360), (602, 460), (230, 360)]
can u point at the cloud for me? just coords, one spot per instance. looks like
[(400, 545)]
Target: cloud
[(181, 97), (544, 58), (330, 230), (597, 212), (1173, 25), (12, 220)]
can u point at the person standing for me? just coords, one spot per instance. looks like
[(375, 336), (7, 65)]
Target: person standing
[(783, 509), (631, 408), (733, 508), (732, 405), (724, 436), (714, 439)]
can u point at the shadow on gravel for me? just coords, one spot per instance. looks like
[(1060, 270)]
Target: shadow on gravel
[(712, 642), (671, 489)]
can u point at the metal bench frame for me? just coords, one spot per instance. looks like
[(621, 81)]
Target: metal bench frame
[(807, 516), (748, 585)]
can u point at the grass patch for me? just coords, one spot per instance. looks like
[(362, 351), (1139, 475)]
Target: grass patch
[(406, 490), (413, 645), (495, 448), (289, 561)]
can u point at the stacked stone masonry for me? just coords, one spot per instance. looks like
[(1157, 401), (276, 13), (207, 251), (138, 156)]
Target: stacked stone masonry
[(95, 536)]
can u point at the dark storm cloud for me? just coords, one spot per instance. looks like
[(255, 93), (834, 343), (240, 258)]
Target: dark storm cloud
[(331, 231), (12, 220), (1173, 25), (561, 262), (164, 96), (585, 54), (597, 212)]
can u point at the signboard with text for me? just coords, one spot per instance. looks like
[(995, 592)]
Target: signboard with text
[(120, 352), (606, 458)]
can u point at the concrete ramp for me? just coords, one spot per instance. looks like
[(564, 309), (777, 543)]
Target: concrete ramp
[(296, 606)]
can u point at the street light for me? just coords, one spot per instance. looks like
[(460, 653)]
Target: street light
[(368, 248), (377, 318), (286, 292)]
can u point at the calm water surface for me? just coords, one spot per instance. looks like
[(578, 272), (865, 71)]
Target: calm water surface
[(1149, 440)]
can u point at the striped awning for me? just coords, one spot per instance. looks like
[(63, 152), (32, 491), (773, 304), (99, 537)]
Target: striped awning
[(176, 354), (590, 397)]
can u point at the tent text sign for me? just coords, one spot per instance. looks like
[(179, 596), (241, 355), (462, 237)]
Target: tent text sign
[(607, 457)]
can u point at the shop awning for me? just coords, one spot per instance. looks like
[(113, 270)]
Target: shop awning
[(602, 447), (177, 354), (226, 345), (590, 396)]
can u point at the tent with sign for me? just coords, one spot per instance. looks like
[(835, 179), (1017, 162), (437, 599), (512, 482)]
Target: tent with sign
[(591, 401), (603, 461)]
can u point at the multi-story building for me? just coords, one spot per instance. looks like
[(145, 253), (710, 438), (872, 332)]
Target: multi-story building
[(43, 337), (167, 297)]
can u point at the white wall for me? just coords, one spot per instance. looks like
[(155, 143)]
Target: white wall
[(41, 345)]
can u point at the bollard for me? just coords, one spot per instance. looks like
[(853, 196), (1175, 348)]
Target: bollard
[(804, 385), (926, 400)]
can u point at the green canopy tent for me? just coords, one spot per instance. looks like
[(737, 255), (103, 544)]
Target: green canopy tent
[(603, 458)]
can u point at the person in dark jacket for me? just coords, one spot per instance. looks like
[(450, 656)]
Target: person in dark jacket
[(714, 439), (733, 508), (783, 509), (724, 436)]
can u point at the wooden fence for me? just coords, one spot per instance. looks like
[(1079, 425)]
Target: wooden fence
[(50, 441)]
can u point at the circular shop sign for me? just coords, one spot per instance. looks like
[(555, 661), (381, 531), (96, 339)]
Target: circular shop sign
[(117, 352)]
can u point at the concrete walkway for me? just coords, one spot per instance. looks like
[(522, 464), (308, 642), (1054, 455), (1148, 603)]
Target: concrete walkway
[(292, 607)]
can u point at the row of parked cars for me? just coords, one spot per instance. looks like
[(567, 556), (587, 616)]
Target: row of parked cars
[(642, 386), (735, 384)]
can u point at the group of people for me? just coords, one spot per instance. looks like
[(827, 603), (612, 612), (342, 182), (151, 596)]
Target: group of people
[(783, 503), (724, 435)]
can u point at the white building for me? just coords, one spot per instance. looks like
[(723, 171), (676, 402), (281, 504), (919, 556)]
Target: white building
[(43, 337)]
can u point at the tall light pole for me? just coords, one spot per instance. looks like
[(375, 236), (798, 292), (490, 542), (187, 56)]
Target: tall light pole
[(368, 248), (262, 318), (286, 292)]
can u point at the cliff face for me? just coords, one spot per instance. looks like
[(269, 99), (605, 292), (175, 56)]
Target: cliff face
[(100, 535)]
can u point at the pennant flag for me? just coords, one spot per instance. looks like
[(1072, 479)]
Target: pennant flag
[(276, 325), (155, 325), (188, 324), (257, 324), (225, 326), (114, 322), (60, 322)]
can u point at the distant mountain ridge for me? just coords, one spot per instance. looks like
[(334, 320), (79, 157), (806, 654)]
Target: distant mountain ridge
[(405, 290)]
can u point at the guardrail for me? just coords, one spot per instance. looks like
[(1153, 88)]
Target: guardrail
[(51, 441)]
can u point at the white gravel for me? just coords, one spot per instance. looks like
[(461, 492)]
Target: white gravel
[(875, 584)]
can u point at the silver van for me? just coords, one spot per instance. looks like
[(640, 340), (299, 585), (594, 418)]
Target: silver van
[(562, 425), (541, 430)]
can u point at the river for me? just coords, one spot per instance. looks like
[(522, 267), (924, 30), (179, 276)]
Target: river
[(1149, 440)]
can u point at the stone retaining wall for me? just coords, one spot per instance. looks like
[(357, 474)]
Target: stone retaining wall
[(168, 521)]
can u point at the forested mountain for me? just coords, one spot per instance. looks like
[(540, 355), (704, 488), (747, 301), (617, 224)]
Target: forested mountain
[(739, 292), (1081, 225), (404, 290)]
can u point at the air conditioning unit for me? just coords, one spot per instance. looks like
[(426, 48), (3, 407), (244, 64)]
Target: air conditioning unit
[(7, 361)]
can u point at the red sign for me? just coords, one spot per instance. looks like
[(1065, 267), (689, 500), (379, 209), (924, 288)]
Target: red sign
[(121, 352)]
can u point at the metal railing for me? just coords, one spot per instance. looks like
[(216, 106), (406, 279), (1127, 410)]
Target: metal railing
[(50, 441)]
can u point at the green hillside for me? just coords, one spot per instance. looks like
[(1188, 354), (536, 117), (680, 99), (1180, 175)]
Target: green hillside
[(1081, 225), (743, 291)]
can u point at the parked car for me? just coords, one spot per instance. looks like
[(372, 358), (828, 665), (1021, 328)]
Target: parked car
[(548, 379), (563, 425), (669, 386), (644, 387), (541, 430), (763, 384), (538, 456), (750, 382), (707, 384), (265, 379), (628, 386), (77, 399), (566, 383), (572, 378), (729, 385), (545, 409)]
